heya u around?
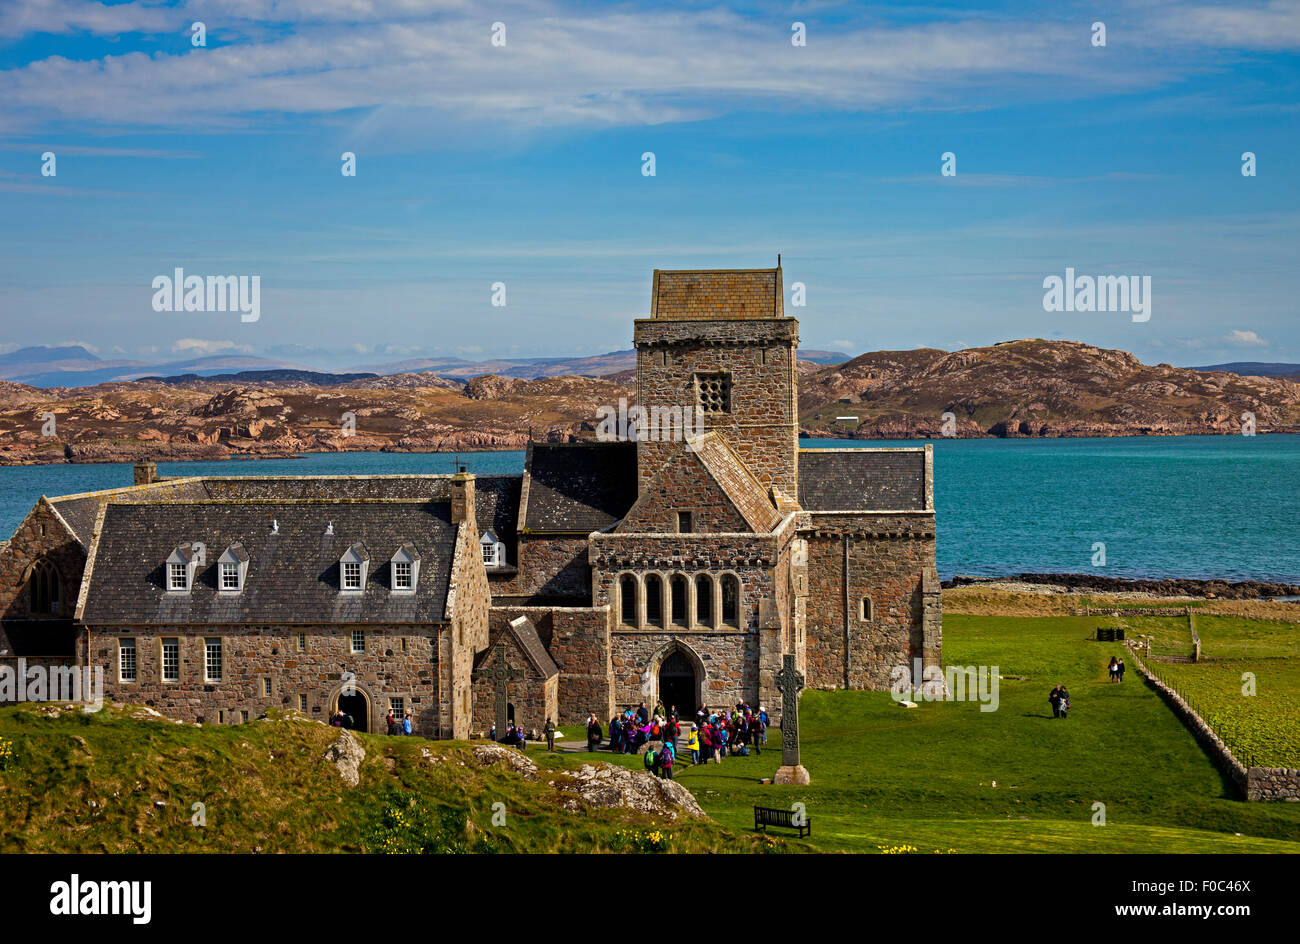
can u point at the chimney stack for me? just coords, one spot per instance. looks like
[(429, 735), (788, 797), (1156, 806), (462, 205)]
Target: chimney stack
[(146, 473), (462, 495)]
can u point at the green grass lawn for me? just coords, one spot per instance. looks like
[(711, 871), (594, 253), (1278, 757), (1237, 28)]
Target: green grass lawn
[(1260, 729), (884, 775)]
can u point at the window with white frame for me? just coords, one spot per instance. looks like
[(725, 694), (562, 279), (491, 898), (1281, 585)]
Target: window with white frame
[(302, 642), (494, 552), (178, 577), (302, 702), (171, 660), (266, 687), (229, 576), (212, 663), (397, 706), (358, 640), (351, 575), (126, 660), (401, 575)]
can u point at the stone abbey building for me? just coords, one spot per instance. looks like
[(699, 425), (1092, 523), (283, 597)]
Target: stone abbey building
[(674, 568)]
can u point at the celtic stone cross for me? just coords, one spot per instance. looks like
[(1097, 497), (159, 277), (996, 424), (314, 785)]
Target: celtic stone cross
[(502, 675), (790, 682)]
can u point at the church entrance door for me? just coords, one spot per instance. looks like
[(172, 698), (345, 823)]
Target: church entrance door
[(677, 686), (355, 705)]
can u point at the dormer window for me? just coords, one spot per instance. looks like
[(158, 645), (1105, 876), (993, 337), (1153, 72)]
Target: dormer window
[(352, 569), (181, 565), (405, 569), (232, 568), (494, 552)]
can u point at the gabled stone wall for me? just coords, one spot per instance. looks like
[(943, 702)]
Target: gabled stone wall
[(889, 560)]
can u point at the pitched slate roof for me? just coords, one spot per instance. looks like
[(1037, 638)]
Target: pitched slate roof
[(735, 478), (81, 510), (708, 294), (293, 575), (862, 479), (523, 634), (577, 487), (496, 508)]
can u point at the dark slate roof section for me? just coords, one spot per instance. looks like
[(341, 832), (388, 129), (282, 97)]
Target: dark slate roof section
[(30, 638), (82, 510), (293, 576), (578, 487), (80, 514), (862, 480), (496, 507), (523, 634), (275, 488)]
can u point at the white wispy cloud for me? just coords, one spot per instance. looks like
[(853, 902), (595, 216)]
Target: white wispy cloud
[(207, 347)]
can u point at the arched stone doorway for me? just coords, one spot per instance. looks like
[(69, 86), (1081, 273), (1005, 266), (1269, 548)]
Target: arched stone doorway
[(679, 684), (354, 701)]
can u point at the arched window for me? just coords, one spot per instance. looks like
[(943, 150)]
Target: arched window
[(627, 598), (730, 600), (681, 596), (654, 595), (704, 600), (44, 583)]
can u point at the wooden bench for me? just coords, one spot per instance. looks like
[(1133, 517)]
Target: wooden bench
[(765, 816)]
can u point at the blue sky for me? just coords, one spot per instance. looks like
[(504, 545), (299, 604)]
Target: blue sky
[(522, 164)]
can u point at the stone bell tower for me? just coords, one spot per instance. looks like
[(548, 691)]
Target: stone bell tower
[(718, 342)]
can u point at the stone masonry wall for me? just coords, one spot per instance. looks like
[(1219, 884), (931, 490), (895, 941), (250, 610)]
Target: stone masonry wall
[(759, 355), (1255, 783), (468, 603), (549, 566), (41, 534), (577, 638), (889, 557), (398, 662), (683, 484)]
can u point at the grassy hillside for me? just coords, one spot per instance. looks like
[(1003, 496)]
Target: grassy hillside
[(883, 776), (108, 782)]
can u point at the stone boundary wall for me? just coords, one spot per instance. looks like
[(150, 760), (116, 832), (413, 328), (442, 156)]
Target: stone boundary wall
[(1171, 611), (1255, 783)]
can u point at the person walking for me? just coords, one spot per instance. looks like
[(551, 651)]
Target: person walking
[(406, 724), (594, 733), (1121, 670), (667, 757), (694, 745), (1054, 697), (549, 730), (1113, 668), (1064, 703)]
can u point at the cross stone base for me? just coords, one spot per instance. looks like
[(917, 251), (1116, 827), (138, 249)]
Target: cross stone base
[(792, 775)]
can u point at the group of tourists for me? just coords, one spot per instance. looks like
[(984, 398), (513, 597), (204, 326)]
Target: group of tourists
[(514, 737), (396, 725), (339, 719), (1116, 669), (714, 735)]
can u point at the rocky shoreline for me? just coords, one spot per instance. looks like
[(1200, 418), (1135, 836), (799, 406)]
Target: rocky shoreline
[(1209, 589)]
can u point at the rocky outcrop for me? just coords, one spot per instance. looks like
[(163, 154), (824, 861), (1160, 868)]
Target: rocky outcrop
[(604, 786), (1210, 589), (346, 754), (511, 758)]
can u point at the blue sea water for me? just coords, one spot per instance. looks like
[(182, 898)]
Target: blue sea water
[(1188, 506)]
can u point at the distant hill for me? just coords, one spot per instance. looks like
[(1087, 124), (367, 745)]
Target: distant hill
[(1017, 388), (1034, 388), (1256, 369)]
